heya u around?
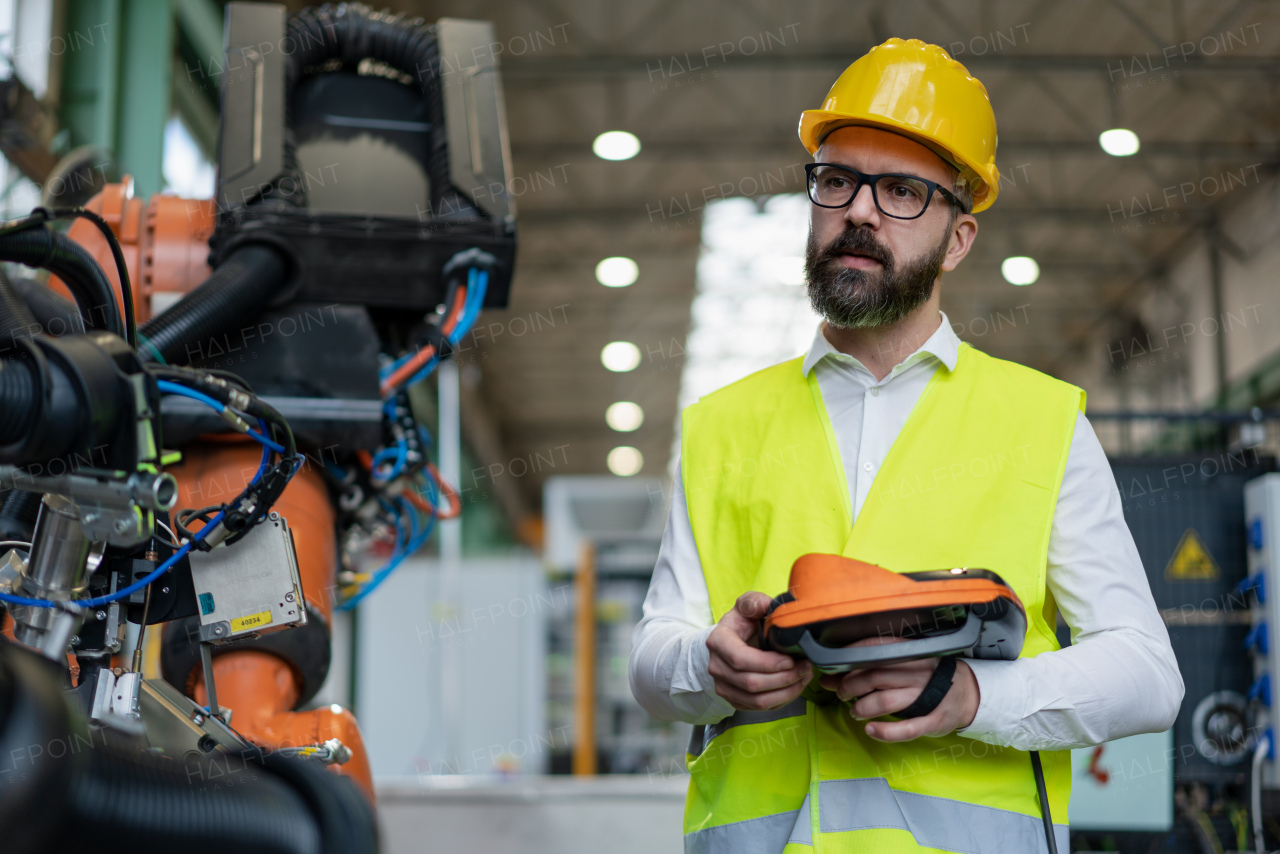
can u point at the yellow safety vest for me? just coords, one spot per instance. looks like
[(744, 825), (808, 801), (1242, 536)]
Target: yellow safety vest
[(972, 480)]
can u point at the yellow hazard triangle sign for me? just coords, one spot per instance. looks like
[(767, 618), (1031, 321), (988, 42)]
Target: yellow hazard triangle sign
[(1191, 561)]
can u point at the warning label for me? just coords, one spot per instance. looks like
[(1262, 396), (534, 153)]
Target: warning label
[(1191, 561)]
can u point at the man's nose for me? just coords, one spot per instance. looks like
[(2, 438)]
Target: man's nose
[(862, 210)]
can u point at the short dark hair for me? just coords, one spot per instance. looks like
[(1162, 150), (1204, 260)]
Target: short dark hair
[(961, 186)]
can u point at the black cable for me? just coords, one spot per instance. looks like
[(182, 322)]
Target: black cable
[(203, 514), (1044, 803), (236, 293), (231, 377), (122, 269), (31, 242), (20, 396), (255, 502), (219, 385), (57, 316), (16, 319)]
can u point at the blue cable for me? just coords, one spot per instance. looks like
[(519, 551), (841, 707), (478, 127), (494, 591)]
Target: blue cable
[(182, 391), (267, 444), (477, 285), (397, 557), (182, 552), (400, 452), (390, 567), (459, 330), (164, 567), (475, 301), (413, 518), (265, 462)]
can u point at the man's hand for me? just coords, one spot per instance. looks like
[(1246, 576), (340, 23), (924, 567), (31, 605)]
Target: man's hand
[(891, 688), (745, 675)]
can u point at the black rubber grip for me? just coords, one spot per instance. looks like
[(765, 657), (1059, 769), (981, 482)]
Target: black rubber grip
[(933, 692)]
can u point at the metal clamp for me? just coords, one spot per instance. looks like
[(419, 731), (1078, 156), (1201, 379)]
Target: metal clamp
[(332, 752)]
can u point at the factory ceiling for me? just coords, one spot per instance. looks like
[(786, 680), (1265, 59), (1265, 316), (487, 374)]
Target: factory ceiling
[(714, 89)]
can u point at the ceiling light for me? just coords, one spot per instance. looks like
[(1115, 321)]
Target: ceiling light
[(625, 461), (620, 356), (617, 272), (1118, 142), (624, 416), (616, 145), (1020, 270)]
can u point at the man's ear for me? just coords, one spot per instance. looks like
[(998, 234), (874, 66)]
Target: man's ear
[(963, 232)]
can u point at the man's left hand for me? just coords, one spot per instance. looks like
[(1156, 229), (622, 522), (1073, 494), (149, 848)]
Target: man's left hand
[(891, 688)]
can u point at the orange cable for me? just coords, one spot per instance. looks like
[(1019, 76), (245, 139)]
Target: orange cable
[(425, 355), (447, 491)]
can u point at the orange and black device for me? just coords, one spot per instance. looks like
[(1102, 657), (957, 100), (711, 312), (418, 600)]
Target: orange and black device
[(833, 602)]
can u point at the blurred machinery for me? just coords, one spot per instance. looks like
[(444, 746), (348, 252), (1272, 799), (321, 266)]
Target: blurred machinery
[(1262, 525), (1189, 790), (603, 535), (245, 362)]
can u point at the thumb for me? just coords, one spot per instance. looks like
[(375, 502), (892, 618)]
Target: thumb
[(752, 604)]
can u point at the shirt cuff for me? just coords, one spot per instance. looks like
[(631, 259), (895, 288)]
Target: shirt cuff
[(1002, 697), (695, 682)]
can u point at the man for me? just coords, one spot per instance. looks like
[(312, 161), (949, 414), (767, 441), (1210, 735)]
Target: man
[(892, 442)]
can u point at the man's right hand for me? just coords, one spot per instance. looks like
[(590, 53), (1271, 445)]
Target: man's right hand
[(745, 675)]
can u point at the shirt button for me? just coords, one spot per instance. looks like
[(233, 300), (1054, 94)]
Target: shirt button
[(875, 390), (867, 466)]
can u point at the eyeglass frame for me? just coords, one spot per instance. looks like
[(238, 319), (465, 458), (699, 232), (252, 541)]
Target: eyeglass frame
[(869, 179)]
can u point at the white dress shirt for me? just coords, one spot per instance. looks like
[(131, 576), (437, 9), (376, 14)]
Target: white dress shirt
[(1118, 678)]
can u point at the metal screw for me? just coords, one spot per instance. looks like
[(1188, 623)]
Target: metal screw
[(101, 615), (273, 516), (75, 640), (288, 597), (217, 630), (90, 518), (123, 525)]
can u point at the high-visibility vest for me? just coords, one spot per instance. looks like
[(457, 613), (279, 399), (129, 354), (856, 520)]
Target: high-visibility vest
[(972, 480)]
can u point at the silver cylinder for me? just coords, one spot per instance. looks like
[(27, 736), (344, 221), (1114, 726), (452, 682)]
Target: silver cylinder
[(56, 570)]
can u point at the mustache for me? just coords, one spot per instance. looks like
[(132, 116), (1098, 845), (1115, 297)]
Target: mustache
[(857, 241)]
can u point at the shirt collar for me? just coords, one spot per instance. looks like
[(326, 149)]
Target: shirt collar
[(943, 344)]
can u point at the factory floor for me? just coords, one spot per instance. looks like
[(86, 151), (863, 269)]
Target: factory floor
[(532, 815)]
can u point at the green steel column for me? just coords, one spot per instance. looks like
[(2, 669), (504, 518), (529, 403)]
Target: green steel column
[(146, 91), (117, 82), (90, 83)]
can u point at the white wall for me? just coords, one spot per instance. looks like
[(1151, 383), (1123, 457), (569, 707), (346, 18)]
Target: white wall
[(412, 644)]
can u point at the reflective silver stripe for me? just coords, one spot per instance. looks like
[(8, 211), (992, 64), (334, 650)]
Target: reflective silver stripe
[(794, 709), (802, 832), (934, 822), (767, 835), (697, 740)]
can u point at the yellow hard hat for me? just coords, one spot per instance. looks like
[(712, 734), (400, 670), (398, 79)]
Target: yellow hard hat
[(919, 91)]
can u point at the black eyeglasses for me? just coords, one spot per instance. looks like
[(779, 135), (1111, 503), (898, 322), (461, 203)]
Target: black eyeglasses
[(896, 195)]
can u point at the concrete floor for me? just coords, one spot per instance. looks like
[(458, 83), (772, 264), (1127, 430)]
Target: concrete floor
[(532, 815)]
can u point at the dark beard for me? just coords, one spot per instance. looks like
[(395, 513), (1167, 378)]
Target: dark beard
[(859, 299)]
